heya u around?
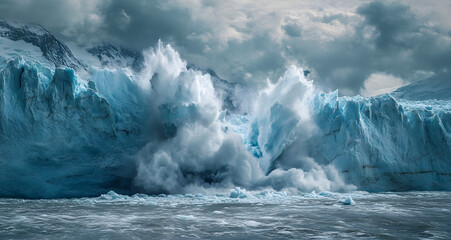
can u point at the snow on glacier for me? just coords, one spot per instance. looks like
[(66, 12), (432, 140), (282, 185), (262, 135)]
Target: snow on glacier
[(435, 87), (164, 130)]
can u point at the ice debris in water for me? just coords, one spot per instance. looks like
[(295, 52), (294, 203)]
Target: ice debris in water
[(238, 193), (111, 195), (269, 193), (348, 201)]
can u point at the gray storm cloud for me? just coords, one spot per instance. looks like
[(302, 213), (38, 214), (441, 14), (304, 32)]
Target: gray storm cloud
[(248, 42)]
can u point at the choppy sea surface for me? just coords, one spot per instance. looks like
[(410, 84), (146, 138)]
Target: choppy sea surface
[(235, 215)]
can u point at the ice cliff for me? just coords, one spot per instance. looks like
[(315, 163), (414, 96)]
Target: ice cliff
[(58, 136), (169, 127)]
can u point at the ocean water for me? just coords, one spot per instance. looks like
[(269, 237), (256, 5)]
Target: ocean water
[(235, 215)]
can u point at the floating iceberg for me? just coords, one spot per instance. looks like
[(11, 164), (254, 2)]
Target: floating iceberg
[(348, 201)]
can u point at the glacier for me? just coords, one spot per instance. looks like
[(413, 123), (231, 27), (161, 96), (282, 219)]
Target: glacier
[(169, 127), (58, 135)]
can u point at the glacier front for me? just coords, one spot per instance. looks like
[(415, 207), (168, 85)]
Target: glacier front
[(167, 129)]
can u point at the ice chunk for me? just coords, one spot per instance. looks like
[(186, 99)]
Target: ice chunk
[(238, 192), (348, 201), (111, 195)]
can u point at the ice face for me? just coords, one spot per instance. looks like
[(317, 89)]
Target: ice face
[(59, 136), (382, 144), (165, 130)]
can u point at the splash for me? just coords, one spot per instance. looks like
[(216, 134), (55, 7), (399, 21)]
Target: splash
[(195, 148)]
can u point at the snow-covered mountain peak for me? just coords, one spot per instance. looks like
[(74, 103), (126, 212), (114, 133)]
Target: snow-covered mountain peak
[(117, 56), (7, 25), (38, 43)]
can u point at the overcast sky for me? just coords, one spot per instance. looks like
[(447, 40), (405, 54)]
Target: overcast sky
[(359, 47)]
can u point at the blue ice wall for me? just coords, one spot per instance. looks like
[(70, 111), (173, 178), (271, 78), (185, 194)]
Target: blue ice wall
[(165, 131), (383, 144), (58, 136)]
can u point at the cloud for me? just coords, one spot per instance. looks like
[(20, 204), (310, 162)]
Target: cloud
[(379, 83), (292, 29), (394, 24), (383, 37), (343, 44), (72, 19)]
